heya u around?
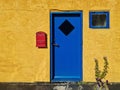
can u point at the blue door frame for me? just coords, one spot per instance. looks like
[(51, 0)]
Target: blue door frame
[(66, 46)]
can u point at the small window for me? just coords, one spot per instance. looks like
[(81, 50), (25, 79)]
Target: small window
[(99, 19)]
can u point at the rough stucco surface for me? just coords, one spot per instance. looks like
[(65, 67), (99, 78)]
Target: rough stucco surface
[(22, 61)]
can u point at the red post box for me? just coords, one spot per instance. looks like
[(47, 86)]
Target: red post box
[(41, 39)]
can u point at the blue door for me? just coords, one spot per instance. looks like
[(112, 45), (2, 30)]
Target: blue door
[(66, 46)]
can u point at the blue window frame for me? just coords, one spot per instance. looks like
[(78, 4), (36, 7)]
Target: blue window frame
[(98, 20)]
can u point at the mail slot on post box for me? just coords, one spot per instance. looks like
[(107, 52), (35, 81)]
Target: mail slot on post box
[(41, 40)]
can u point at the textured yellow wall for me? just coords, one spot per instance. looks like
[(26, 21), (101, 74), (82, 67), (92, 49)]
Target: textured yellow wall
[(21, 61)]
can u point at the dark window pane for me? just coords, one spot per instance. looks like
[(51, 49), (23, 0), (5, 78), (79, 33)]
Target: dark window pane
[(66, 27), (99, 20)]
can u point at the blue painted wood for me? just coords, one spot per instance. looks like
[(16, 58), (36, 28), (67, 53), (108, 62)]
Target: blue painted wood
[(66, 49)]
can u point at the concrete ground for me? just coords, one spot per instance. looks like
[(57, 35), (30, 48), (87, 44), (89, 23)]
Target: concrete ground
[(52, 86)]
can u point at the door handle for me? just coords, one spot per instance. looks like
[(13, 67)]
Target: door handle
[(54, 44)]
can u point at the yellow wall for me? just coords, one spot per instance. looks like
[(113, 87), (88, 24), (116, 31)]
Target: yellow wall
[(22, 61)]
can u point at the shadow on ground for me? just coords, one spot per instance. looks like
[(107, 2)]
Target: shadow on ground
[(52, 86)]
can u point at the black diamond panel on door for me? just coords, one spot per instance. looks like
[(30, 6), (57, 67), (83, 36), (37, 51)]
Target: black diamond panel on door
[(66, 27)]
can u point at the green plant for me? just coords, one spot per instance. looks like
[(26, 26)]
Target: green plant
[(100, 75)]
